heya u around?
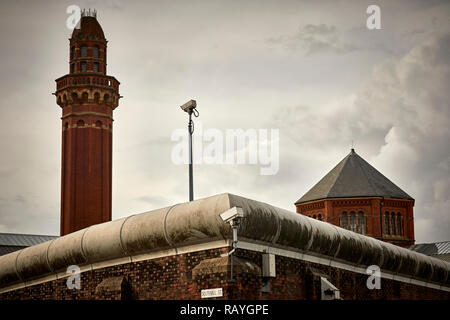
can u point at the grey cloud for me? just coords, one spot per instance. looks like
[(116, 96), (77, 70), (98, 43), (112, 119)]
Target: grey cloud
[(155, 201), (401, 120), (165, 53), (314, 39)]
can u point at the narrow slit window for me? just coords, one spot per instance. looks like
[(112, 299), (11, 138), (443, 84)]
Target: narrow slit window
[(344, 220), (352, 221), (83, 51), (95, 52), (392, 224), (386, 223)]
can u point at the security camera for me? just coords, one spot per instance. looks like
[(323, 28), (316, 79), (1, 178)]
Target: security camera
[(189, 106), (231, 214)]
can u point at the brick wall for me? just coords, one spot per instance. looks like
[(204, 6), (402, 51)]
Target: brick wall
[(171, 278)]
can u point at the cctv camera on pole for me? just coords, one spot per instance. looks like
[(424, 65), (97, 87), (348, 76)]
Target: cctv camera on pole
[(233, 216), (190, 108)]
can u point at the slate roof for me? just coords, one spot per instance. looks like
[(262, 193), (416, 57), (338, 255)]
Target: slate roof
[(10, 242), (430, 249), (354, 177)]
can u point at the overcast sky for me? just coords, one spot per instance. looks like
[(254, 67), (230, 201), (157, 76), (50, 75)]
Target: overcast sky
[(311, 69)]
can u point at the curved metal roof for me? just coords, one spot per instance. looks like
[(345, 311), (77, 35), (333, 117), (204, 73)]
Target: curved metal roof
[(199, 222), (353, 177)]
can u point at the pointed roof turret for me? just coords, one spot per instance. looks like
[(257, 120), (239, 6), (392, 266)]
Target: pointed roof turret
[(354, 177)]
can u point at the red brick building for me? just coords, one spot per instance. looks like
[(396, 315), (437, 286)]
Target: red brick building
[(356, 196), (182, 250), (87, 96), (178, 251)]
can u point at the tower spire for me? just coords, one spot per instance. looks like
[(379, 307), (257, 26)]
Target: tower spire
[(87, 96)]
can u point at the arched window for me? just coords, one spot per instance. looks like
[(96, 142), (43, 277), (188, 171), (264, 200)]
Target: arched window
[(344, 220), (84, 97), (98, 124), (72, 52), (96, 97), (74, 97), (80, 123), (352, 221), (66, 126), (96, 52), (95, 67), (83, 66), (392, 224), (319, 217), (72, 67), (361, 223), (84, 51), (106, 98), (399, 224), (314, 216), (386, 223)]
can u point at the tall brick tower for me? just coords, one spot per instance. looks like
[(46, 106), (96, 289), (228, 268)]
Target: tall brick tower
[(87, 97)]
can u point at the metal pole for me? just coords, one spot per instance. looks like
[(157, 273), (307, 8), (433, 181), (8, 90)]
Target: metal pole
[(235, 230), (191, 183)]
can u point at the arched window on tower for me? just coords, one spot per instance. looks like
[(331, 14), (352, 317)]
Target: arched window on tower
[(314, 216), (84, 51), (98, 124), (84, 97), (96, 52), (392, 224), (319, 216), (80, 123), (344, 220), (361, 223), (399, 225), (83, 66), (95, 67), (386, 222), (74, 97), (96, 97), (352, 221)]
